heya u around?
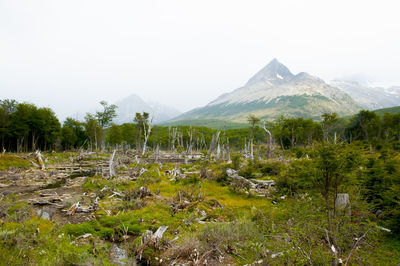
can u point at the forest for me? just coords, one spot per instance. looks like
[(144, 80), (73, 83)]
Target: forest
[(292, 191)]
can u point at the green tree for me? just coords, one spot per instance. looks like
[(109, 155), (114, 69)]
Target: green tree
[(20, 127), (329, 122), (391, 126), (141, 121), (7, 108), (50, 127), (253, 121), (290, 132), (333, 163), (114, 135), (364, 125), (128, 131), (93, 130), (105, 117), (68, 138), (73, 134), (79, 129)]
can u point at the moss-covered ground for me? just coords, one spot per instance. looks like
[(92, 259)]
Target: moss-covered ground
[(208, 222)]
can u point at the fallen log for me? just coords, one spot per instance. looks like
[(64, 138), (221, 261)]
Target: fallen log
[(234, 175), (263, 183)]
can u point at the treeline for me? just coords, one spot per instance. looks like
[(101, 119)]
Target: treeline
[(366, 125), (26, 127), (287, 132)]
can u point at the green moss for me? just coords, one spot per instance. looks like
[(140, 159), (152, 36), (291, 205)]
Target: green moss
[(7, 161), (92, 227), (39, 242)]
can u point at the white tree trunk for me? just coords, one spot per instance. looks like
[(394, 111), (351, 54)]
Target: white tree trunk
[(111, 165), (146, 134), (269, 141)]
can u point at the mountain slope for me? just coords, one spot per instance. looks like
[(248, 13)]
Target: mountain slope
[(390, 110), (368, 97), (129, 106), (275, 91)]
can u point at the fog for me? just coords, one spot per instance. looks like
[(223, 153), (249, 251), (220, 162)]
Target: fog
[(69, 55)]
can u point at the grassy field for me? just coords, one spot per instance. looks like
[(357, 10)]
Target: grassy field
[(208, 217)]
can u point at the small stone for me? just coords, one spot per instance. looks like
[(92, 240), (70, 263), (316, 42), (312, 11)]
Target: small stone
[(118, 255)]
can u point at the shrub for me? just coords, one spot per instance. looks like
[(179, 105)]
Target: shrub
[(300, 175), (272, 168)]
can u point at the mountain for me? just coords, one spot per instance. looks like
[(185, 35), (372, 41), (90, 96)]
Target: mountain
[(274, 91), (129, 106), (390, 110), (394, 90), (369, 97)]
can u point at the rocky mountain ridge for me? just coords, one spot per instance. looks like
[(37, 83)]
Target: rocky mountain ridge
[(274, 91)]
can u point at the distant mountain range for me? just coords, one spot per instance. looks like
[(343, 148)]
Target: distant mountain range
[(271, 92), (275, 91), (369, 97), (394, 90), (129, 106)]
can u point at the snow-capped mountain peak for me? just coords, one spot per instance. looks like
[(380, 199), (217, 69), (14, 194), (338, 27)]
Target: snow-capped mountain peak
[(274, 72)]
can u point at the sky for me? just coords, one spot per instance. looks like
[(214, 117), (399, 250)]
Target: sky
[(70, 55)]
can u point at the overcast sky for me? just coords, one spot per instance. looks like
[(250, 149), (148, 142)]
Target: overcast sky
[(69, 55)]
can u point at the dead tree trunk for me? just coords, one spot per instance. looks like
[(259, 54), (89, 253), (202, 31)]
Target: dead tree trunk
[(228, 155), (173, 138), (190, 143), (39, 158), (269, 141), (213, 143), (251, 149), (146, 134), (111, 165), (157, 153)]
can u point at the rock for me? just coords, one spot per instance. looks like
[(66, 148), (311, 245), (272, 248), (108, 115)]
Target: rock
[(160, 232), (234, 175), (118, 255), (43, 214), (149, 238), (343, 202)]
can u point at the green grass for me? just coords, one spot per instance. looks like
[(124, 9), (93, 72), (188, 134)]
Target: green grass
[(245, 227), (41, 242), (7, 161)]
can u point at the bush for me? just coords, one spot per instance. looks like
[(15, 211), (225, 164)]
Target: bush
[(222, 177), (272, 168), (236, 158), (300, 175), (248, 172)]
